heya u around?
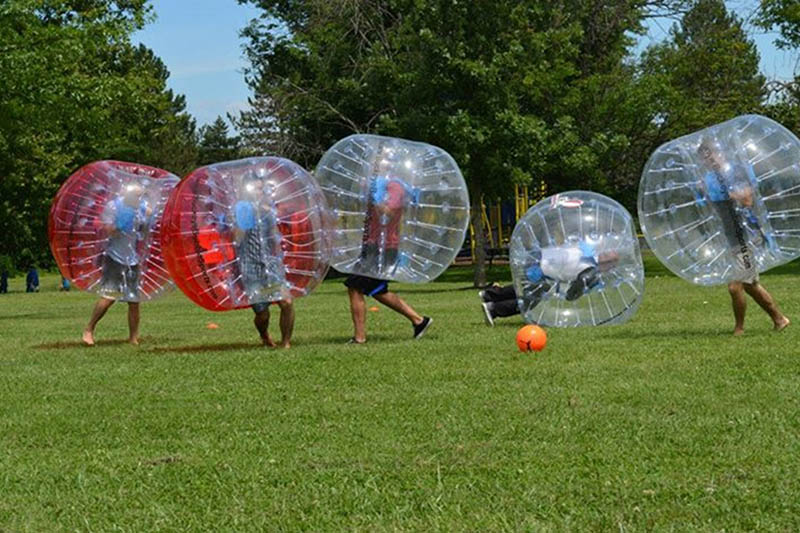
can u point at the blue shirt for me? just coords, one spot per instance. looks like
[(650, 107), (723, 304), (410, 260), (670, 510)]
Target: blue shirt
[(719, 185), (123, 243)]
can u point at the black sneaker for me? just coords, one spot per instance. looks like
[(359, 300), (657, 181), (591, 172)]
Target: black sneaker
[(422, 327)]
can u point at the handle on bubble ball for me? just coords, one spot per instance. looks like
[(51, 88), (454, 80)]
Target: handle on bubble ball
[(125, 215), (587, 251), (244, 215), (379, 187), (534, 273)]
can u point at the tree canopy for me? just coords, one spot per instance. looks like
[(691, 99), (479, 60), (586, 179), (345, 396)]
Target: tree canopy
[(515, 91), (74, 89)]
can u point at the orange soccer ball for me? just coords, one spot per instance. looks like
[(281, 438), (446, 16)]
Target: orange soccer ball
[(531, 338)]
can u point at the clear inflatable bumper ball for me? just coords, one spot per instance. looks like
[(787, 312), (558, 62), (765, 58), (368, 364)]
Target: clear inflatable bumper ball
[(104, 230), (575, 261), (401, 208), (246, 232), (723, 204)]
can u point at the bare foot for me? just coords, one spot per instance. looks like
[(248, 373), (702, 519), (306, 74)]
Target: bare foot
[(738, 332), (134, 341), (88, 338), (781, 324), (268, 342), (285, 344)]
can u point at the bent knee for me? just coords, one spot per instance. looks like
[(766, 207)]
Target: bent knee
[(735, 287)]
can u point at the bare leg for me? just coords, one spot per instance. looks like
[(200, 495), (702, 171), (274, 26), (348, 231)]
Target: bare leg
[(767, 303), (287, 322), (261, 322), (133, 322), (98, 312), (739, 305), (358, 309), (395, 303)]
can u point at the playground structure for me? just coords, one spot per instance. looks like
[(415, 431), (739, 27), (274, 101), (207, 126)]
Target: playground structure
[(500, 217)]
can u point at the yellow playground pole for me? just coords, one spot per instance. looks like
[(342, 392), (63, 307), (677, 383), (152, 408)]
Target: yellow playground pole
[(498, 221), (487, 224), (523, 199)]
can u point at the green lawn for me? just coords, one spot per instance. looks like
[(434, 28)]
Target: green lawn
[(666, 423)]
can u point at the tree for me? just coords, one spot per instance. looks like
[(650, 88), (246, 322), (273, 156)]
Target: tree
[(783, 15), (708, 70), (784, 96), (75, 90), (513, 90), (216, 145)]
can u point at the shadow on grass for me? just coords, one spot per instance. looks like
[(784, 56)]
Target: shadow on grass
[(789, 269), (338, 340), (203, 348), (322, 340), (678, 333), (661, 334), (65, 345), (31, 316), (405, 290)]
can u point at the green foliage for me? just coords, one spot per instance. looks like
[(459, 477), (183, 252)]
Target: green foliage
[(705, 73), (216, 144), (784, 98), (7, 265), (75, 90), (515, 91), (708, 71), (783, 15)]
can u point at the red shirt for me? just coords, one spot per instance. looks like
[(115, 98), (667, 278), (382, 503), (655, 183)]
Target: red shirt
[(385, 217)]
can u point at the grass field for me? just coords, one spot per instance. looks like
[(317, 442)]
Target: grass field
[(666, 423)]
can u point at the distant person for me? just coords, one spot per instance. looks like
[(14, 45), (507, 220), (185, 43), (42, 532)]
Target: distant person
[(4, 281), (32, 280), (64, 284)]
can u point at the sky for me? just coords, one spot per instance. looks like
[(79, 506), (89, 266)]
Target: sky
[(199, 42)]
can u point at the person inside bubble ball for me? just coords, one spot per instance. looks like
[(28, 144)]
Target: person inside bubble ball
[(578, 267), (729, 187), (260, 262), (498, 301), (127, 220), (388, 198)]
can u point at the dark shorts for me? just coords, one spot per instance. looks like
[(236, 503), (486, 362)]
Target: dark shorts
[(367, 286), (260, 307), (119, 281)]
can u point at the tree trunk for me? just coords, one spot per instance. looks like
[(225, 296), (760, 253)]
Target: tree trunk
[(476, 217)]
